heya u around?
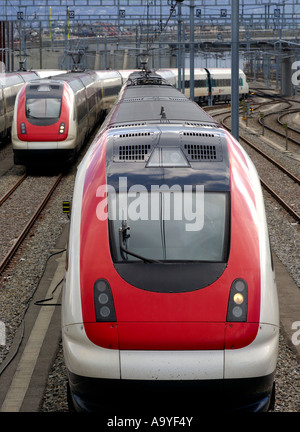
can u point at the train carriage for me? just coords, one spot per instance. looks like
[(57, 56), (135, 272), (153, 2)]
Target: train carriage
[(85, 98), (10, 85), (53, 117), (221, 85), (169, 293), (201, 85), (211, 85)]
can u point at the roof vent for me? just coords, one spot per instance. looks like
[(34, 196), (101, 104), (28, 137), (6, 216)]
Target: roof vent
[(132, 153), (199, 134), (203, 152), (133, 145), (201, 145), (135, 134), (203, 125), (125, 125)]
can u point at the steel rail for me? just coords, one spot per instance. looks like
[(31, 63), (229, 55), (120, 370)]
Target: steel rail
[(29, 225), (265, 155), (288, 208), (277, 132), (289, 127), (12, 189)]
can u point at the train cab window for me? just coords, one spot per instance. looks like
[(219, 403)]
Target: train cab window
[(43, 108), (165, 226)]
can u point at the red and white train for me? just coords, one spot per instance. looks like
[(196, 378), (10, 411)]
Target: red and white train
[(10, 85), (170, 297), (53, 117)]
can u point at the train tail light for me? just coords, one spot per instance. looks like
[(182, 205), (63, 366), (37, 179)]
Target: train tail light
[(23, 128), (104, 303), (238, 301), (61, 128)]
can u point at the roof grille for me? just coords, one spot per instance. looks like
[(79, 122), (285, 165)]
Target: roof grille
[(125, 125), (134, 152), (133, 99), (199, 134), (178, 99), (205, 125), (135, 134), (202, 152)]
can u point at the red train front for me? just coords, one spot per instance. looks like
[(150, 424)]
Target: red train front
[(169, 288), (43, 116), (53, 117)]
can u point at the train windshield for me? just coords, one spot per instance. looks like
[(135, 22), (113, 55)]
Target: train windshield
[(169, 226), (43, 108)]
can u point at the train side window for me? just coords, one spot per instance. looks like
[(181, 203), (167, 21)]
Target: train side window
[(99, 93), (111, 91), (81, 107), (91, 101)]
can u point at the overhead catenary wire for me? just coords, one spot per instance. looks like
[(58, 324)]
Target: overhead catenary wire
[(155, 38)]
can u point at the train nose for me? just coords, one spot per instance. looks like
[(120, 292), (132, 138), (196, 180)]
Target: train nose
[(34, 134), (171, 336)]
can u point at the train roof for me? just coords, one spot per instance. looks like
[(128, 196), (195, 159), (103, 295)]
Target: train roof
[(153, 121), (187, 155), (150, 98), (76, 80), (10, 78)]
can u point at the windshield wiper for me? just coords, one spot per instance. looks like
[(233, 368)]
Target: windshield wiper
[(123, 236)]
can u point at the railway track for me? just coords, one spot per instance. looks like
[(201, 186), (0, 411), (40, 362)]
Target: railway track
[(12, 189), (281, 127), (17, 241), (294, 180)]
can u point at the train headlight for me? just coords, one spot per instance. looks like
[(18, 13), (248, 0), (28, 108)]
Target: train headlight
[(23, 128), (238, 299), (61, 128), (103, 301)]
